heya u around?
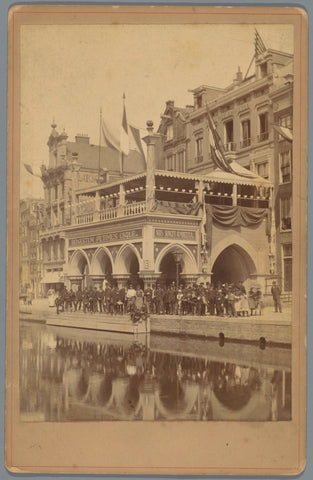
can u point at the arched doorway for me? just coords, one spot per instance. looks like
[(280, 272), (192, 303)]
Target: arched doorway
[(101, 266), (174, 262), (127, 262), (79, 270), (233, 264), (170, 269)]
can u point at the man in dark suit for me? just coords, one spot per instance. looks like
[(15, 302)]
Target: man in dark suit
[(276, 292)]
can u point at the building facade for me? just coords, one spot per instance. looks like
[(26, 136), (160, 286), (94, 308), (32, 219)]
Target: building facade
[(176, 217), (245, 114), (163, 226), (72, 166), (31, 260), (281, 98)]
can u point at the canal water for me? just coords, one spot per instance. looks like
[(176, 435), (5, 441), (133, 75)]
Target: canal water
[(82, 375)]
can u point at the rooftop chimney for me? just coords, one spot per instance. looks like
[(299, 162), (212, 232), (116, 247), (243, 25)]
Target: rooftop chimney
[(239, 75)]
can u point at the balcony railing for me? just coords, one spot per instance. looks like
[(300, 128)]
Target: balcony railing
[(230, 146), (111, 213), (85, 218), (108, 213), (246, 142), (263, 136), (134, 208)]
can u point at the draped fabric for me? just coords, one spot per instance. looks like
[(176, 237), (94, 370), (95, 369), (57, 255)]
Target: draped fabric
[(234, 216), (176, 207)]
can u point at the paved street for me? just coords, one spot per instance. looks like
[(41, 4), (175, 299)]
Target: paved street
[(40, 310)]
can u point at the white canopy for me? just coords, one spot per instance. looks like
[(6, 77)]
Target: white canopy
[(244, 177)]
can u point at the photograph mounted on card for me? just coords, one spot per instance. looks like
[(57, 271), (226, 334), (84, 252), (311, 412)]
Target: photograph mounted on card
[(156, 271)]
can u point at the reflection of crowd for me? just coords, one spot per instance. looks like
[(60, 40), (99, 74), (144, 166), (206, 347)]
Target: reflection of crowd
[(118, 376), (229, 299)]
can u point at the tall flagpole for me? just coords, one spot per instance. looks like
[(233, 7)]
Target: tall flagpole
[(122, 154), (100, 123)]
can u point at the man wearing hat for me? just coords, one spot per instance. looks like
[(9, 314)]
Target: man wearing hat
[(276, 292)]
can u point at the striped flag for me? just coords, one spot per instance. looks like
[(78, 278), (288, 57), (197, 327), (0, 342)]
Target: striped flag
[(30, 170), (135, 140), (218, 152), (258, 44), (108, 138), (216, 147)]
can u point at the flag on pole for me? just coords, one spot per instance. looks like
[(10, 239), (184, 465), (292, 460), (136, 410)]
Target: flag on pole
[(216, 147), (258, 44), (218, 152), (30, 170), (108, 138), (285, 132), (130, 138), (124, 145), (135, 140)]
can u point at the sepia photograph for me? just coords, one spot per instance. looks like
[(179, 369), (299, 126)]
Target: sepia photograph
[(154, 198)]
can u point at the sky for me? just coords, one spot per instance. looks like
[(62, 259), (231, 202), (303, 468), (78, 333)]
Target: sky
[(69, 72)]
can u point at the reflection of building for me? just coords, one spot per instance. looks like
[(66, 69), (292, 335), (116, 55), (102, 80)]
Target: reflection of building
[(68, 378), (31, 222)]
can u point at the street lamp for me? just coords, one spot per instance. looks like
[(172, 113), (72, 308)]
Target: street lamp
[(178, 256)]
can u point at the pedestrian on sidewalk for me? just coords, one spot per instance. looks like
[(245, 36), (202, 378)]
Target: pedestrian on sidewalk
[(276, 292)]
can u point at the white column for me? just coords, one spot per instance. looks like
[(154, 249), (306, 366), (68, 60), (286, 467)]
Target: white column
[(150, 140), (97, 207), (234, 194), (122, 200)]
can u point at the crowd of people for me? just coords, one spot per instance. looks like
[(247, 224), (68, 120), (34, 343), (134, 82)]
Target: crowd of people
[(229, 299)]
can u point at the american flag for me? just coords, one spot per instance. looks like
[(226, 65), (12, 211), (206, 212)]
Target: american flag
[(258, 44)]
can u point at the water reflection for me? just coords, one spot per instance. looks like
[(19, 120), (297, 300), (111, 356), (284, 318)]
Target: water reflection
[(74, 375)]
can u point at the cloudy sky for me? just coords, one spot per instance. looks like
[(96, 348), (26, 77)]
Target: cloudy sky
[(69, 71)]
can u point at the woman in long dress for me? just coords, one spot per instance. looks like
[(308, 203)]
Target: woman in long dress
[(139, 298), (244, 307), (252, 300)]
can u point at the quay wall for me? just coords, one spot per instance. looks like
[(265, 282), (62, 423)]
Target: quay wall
[(250, 329)]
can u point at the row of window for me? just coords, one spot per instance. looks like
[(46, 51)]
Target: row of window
[(54, 250), (245, 132), (176, 162), (229, 144), (285, 213), (287, 267), (53, 192), (35, 268), (284, 158)]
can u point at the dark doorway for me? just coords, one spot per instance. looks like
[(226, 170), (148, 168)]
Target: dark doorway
[(234, 264), (168, 268)]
